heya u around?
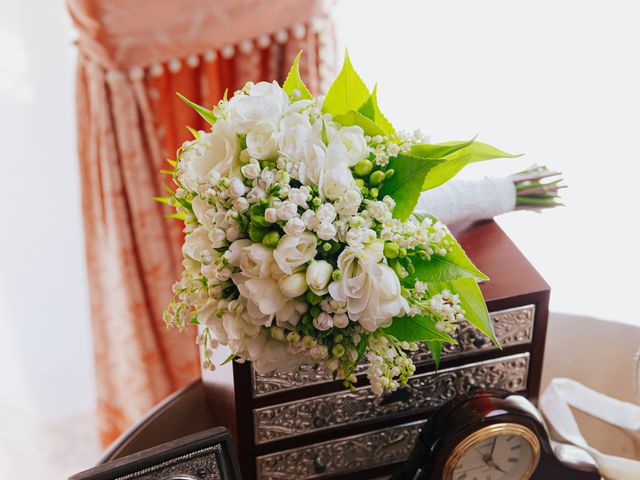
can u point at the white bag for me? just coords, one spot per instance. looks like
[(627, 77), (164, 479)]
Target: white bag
[(564, 392)]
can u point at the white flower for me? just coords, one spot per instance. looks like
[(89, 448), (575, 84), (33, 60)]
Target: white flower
[(261, 141), (309, 219), (326, 213), (233, 232), (294, 251), (299, 196), (265, 102), (255, 194), (347, 205), (251, 170), (201, 210), (271, 215), (264, 298), (294, 226), (214, 154), (295, 130), (356, 145), (323, 322), (318, 276), (370, 289), (340, 320), (236, 188), (197, 243), (312, 165), (293, 285), (255, 260), (337, 177), (287, 210), (240, 204), (217, 237), (326, 231), (268, 354), (235, 249), (379, 210)]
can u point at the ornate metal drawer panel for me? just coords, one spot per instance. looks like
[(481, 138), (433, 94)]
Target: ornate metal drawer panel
[(513, 327), (349, 454), (422, 392)]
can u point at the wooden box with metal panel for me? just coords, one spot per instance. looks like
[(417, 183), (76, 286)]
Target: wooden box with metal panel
[(303, 425)]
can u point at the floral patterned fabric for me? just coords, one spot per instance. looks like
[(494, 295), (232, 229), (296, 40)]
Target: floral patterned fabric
[(133, 57)]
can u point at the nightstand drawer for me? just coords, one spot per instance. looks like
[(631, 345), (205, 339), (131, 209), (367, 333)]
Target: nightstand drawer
[(513, 327), (421, 393), (345, 455)]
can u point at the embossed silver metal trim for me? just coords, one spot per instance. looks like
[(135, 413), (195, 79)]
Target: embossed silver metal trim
[(422, 392), (513, 326), (345, 455), (176, 465)]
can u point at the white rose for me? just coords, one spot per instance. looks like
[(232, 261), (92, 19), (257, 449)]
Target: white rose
[(220, 153), (294, 226), (261, 141), (326, 213), (295, 131), (293, 285), (265, 102), (251, 170), (255, 260), (323, 322), (386, 300), (264, 298), (238, 329), (337, 174), (235, 249), (287, 210), (326, 231), (197, 243), (318, 275), (353, 139), (294, 251)]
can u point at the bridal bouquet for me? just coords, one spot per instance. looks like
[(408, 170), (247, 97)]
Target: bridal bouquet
[(302, 243)]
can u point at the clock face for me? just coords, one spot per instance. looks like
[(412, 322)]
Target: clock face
[(496, 452)]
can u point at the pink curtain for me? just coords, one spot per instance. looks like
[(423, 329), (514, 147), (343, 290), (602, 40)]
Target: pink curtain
[(133, 57)]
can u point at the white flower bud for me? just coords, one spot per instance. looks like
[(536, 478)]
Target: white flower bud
[(251, 170), (236, 188), (323, 322), (341, 320), (293, 285), (309, 218), (271, 215), (294, 226), (318, 276), (233, 232), (326, 213), (217, 237), (256, 194), (240, 204)]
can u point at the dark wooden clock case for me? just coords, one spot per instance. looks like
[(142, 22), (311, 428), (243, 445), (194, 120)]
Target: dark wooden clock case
[(336, 421)]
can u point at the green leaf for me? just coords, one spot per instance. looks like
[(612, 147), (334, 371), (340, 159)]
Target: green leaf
[(230, 358), (165, 200), (405, 185), (294, 82), (204, 112), (347, 91), (371, 110), (458, 159), (444, 269), (193, 132), (472, 302), (352, 117), (438, 150), (416, 329), (435, 348)]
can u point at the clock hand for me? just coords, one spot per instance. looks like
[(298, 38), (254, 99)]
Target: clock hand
[(493, 447)]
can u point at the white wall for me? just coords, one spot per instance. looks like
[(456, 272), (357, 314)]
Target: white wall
[(558, 81), (45, 347)]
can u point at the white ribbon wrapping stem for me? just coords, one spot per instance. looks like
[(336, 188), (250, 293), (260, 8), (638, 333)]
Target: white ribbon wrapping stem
[(563, 393), (469, 200)]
